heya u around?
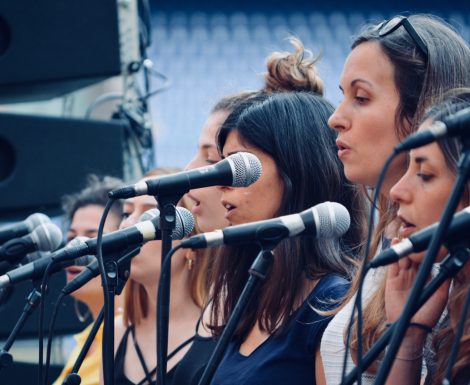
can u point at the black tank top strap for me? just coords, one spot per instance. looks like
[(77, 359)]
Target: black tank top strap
[(148, 375)]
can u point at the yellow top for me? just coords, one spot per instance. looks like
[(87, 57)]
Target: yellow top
[(90, 370)]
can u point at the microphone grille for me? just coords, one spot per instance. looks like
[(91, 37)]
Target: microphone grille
[(333, 218), (184, 223), (85, 259), (246, 169), (34, 220), (47, 237), (149, 215)]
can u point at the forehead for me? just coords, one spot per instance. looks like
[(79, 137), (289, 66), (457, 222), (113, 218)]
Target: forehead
[(211, 127), (367, 61)]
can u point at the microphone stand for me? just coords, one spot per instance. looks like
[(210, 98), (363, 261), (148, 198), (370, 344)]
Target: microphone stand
[(73, 378), (257, 273), (450, 266), (167, 204), (32, 301), (426, 266)]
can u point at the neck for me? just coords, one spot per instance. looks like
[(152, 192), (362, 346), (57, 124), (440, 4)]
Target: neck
[(181, 302)]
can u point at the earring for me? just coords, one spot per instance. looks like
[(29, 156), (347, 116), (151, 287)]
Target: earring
[(81, 317), (190, 262)]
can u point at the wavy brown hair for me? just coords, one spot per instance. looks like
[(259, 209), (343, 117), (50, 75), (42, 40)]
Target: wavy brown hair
[(135, 296)]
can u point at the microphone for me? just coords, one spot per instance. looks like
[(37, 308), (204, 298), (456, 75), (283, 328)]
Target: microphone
[(140, 233), (45, 237), (325, 220), (116, 241), (238, 170), (419, 241), (22, 228), (453, 125), (93, 270)]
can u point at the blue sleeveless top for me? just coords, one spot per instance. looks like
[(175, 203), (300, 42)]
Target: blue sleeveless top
[(287, 358)]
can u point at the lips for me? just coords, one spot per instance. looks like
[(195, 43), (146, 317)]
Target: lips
[(196, 204), (73, 271), (343, 147), (229, 207), (406, 228)]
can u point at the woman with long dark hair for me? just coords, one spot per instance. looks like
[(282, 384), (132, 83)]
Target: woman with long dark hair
[(278, 336)]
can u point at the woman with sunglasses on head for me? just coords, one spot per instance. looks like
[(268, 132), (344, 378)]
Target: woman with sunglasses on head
[(396, 69), (421, 195)]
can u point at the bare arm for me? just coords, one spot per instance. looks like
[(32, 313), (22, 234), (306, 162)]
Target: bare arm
[(319, 372)]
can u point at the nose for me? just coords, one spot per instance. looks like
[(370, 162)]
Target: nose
[(338, 120), (401, 192)]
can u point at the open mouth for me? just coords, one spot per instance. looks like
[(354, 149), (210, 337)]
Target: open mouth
[(406, 228), (73, 270)]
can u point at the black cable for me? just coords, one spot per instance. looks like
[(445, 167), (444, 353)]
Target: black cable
[(43, 288), (456, 343), (108, 367), (49, 338), (363, 272)]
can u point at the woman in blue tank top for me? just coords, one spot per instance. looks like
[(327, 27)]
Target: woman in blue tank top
[(277, 339)]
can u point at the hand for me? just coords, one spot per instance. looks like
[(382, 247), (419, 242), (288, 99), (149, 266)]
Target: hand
[(399, 280)]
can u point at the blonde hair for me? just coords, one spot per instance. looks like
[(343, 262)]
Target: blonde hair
[(136, 301)]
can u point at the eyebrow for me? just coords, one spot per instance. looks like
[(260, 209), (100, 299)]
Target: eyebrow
[(421, 159), (353, 83)]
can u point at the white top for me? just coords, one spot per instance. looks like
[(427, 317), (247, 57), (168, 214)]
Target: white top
[(332, 345)]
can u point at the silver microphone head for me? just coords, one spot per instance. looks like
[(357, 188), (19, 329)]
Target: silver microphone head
[(47, 237), (149, 215), (332, 219), (184, 223), (85, 259), (34, 220), (246, 168)]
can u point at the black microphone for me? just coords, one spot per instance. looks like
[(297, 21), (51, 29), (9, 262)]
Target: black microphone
[(419, 241), (116, 241), (45, 237), (238, 170), (22, 228), (454, 125), (93, 270), (325, 220)]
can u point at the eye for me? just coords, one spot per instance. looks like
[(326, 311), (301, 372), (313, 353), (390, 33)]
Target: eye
[(361, 99), (125, 215), (424, 177), (211, 161)]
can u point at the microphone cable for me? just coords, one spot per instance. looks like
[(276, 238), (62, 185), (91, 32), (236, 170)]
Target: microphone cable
[(363, 269), (108, 368), (43, 291), (52, 321), (456, 343)]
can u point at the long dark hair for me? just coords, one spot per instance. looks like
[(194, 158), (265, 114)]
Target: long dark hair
[(451, 149), (292, 128)]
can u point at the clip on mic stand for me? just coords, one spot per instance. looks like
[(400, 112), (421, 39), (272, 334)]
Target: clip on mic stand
[(426, 266), (32, 301), (167, 224), (73, 378), (258, 272), (449, 268)]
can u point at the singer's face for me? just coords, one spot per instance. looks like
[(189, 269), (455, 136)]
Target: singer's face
[(423, 191), (207, 209), (259, 201), (365, 118), (145, 267), (85, 223)]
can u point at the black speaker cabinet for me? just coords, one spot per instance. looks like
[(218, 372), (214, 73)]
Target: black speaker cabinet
[(51, 47), (43, 158)]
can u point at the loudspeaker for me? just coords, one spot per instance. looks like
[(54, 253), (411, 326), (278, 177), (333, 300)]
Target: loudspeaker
[(43, 158), (52, 47)]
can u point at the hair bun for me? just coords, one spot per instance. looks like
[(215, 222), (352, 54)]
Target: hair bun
[(295, 71)]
